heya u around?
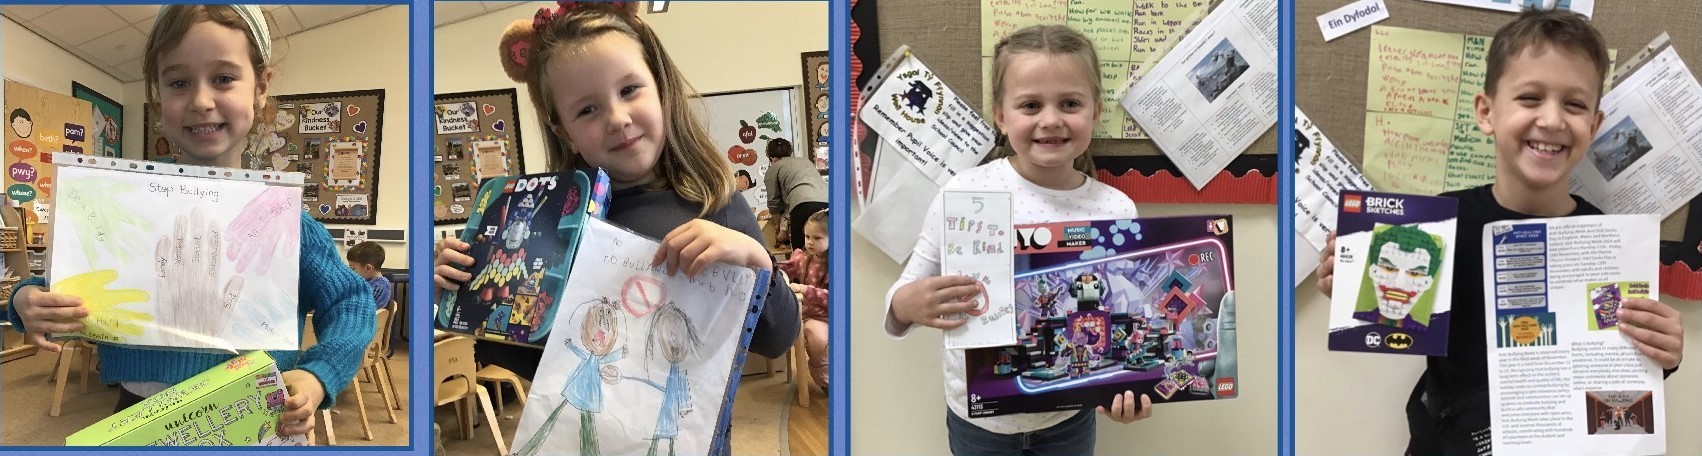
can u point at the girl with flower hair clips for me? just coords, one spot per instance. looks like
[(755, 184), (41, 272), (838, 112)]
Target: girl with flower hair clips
[(612, 98)]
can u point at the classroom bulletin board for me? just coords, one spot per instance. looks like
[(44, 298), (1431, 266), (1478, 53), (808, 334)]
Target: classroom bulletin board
[(332, 137), (107, 125), (948, 37), (476, 136), (1331, 81), (40, 124)]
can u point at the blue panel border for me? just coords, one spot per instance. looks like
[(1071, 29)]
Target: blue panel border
[(419, 254), (1285, 229), (839, 244)]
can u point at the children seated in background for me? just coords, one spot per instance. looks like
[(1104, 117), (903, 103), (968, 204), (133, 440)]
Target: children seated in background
[(807, 268), (365, 258)]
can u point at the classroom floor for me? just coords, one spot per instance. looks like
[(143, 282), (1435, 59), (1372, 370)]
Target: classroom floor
[(766, 421), (28, 386)]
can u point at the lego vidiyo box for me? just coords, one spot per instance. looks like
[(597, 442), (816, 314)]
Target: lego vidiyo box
[(236, 403), (1143, 305)]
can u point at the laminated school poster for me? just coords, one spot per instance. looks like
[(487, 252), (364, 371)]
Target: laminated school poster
[(1106, 306), (523, 231), (976, 243), (168, 255), (1563, 378), (1395, 273), (645, 362)]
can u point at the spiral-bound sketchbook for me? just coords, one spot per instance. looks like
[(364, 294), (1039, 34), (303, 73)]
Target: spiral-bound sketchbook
[(169, 255), (641, 362), (523, 231)]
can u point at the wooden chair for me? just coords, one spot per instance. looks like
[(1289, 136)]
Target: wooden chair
[(800, 359), (377, 364), (308, 339), (68, 353), (496, 375), (457, 383)]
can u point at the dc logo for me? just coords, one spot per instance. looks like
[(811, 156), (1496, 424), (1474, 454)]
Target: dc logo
[(1373, 340)]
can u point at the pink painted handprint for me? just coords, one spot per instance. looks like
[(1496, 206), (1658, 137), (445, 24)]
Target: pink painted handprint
[(270, 220)]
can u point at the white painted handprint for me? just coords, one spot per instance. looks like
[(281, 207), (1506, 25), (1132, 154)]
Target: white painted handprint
[(194, 305)]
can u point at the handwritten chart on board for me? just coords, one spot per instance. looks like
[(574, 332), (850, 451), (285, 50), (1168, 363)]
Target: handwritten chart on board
[(1421, 135), (1128, 35)]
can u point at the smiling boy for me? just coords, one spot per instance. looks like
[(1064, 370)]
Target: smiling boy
[(1540, 104)]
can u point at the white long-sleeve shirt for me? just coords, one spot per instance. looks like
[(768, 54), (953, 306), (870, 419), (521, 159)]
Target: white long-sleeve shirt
[(1030, 203)]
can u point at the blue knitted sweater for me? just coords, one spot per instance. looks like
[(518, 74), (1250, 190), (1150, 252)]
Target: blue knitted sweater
[(343, 320)]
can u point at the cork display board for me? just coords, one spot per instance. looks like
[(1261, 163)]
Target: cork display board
[(1331, 78), (944, 37), (476, 136), (332, 137)]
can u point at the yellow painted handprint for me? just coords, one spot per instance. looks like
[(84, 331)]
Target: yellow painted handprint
[(101, 220), (106, 321)]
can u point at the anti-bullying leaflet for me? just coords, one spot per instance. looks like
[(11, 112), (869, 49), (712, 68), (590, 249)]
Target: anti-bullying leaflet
[(1562, 378), (1321, 174), (976, 242), (1647, 155)]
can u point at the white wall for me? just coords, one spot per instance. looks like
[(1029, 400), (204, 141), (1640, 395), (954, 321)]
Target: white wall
[(718, 46), (30, 59), (369, 51), (898, 392)]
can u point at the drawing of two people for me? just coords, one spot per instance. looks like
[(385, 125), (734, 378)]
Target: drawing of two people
[(671, 336)]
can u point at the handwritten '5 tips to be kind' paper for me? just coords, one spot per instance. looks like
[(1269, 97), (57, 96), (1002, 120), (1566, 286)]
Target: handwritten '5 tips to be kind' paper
[(977, 243), (179, 256)]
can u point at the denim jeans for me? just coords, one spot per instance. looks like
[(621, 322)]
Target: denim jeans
[(1072, 437)]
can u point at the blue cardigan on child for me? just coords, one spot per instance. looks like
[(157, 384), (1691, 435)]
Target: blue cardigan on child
[(343, 320)]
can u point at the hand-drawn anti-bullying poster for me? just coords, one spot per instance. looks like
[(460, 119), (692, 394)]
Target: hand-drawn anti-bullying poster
[(179, 256), (641, 362)]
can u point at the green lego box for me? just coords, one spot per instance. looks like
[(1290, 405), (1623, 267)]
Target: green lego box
[(236, 403)]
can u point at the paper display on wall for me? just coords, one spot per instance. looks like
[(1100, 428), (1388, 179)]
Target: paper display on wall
[(1563, 379), (1129, 36), (976, 243), (927, 135), (1321, 173), (1217, 93), (1421, 133), (646, 361), (1394, 276), (1647, 156), (743, 124), (176, 259), (344, 159), (1584, 7)]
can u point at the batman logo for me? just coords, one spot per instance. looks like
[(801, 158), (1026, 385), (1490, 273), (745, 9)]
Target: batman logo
[(1398, 341)]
